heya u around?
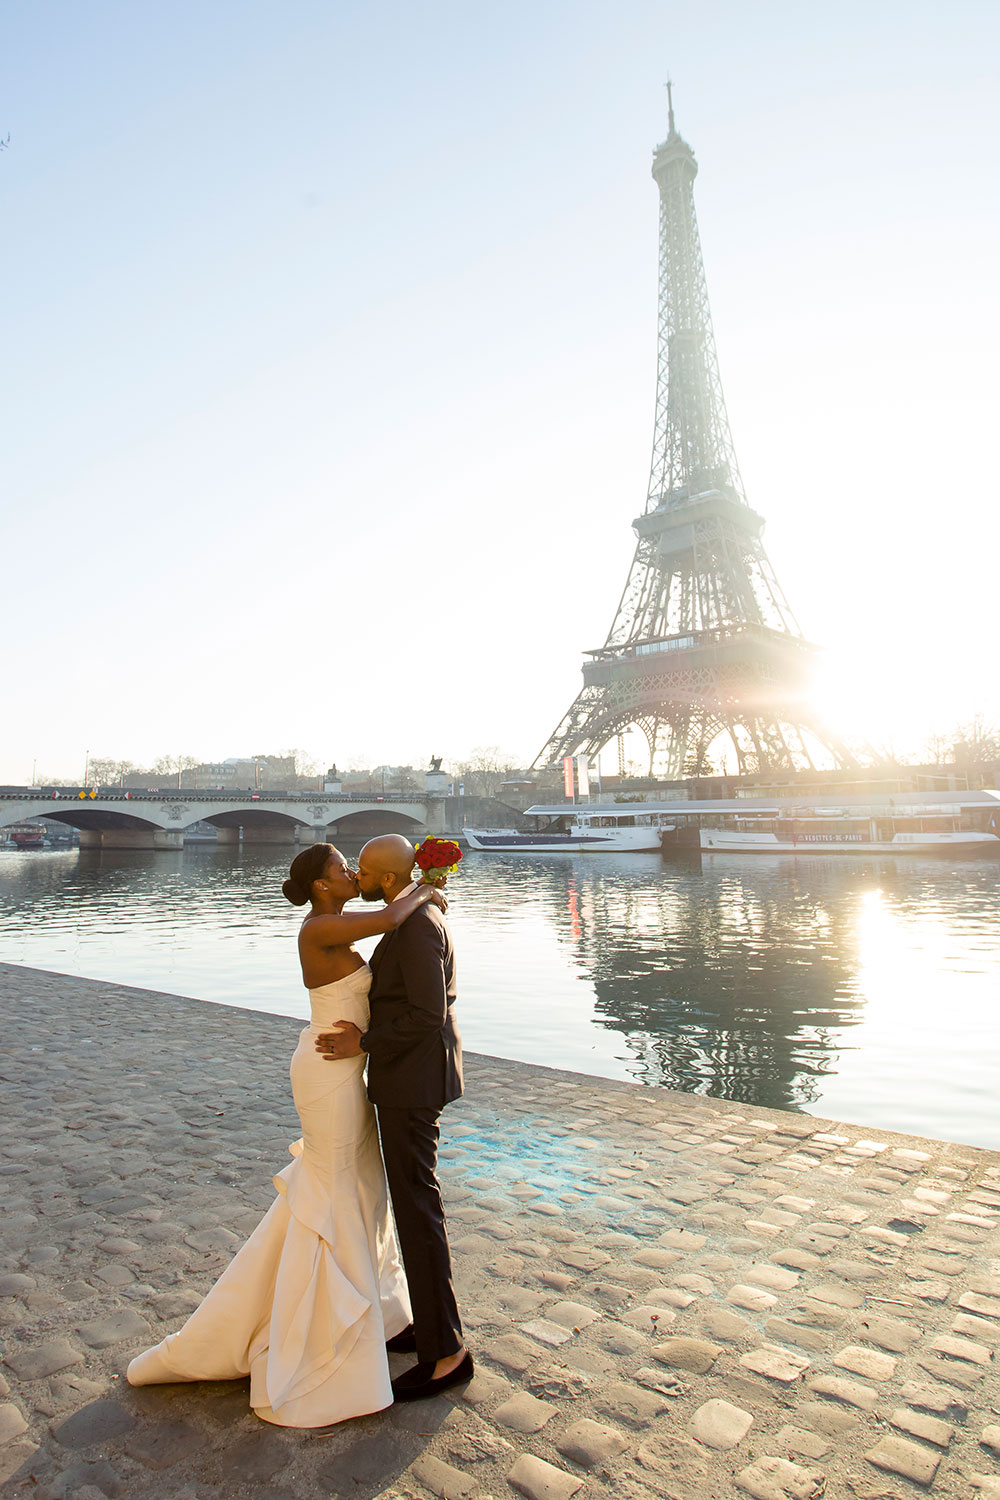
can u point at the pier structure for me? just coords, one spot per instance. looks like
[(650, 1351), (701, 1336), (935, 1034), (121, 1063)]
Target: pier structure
[(704, 646)]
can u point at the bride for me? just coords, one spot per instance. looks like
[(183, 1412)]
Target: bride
[(308, 1303)]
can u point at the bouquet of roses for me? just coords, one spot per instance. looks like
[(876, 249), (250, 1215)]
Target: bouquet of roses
[(437, 858)]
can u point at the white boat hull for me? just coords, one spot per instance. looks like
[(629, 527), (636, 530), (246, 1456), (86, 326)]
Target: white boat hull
[(725, 841), (593, 841)]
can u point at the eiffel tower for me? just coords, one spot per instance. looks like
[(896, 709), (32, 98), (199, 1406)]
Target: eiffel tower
[(703, 643)]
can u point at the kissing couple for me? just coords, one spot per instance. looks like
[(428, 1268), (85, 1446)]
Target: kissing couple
[(310, 1305)]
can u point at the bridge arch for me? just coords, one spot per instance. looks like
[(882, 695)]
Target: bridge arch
[(101, 827), (369, 822), (72, 814), (259, 816), (254, 825), (83, 817)]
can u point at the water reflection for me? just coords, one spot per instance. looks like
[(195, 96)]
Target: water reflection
[(725, 982), (859, 988), (730, 987)]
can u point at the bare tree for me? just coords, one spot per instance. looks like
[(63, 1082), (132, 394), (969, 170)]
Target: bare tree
[(485, 770), (305, 771), (101, 770), (109, 770), (888, 755), (939, 748), (977, 743), (174, 765), (407, 781)]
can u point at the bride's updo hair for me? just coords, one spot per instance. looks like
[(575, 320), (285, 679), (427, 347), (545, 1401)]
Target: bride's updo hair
[(305, 868)]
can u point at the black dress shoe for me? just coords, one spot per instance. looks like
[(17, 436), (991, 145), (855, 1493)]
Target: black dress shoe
[(417, 1383), (404, 1342)]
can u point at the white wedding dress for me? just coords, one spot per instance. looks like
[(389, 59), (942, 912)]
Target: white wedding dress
[(307, 1304)]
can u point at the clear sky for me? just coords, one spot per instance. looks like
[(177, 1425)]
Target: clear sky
[(329, 358)]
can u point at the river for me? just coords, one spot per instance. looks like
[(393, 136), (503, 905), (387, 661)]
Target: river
[(864, 989)]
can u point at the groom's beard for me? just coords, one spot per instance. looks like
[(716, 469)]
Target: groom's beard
[(372, 896)]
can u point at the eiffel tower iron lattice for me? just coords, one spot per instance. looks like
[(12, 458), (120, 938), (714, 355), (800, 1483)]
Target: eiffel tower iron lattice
[(703, 643)]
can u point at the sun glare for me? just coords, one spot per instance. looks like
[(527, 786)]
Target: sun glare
[(857, 705)]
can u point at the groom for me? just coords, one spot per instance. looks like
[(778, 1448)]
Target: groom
[(414, 1070)]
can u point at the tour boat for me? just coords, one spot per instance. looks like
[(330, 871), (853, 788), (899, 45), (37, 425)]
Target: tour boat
[(27, 836), (955, 823), (591, 829)]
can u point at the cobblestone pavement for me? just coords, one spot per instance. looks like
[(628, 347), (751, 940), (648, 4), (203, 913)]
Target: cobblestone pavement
[(668, 1297)]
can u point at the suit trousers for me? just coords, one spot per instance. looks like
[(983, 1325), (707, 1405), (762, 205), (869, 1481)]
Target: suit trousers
[(409, 1149)]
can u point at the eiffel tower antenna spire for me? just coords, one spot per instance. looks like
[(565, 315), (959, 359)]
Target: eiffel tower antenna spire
[(703, 644)]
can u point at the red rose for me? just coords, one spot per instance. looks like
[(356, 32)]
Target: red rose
[(437, 854)]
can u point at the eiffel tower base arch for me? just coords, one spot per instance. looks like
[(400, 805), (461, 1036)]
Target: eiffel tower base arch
[(683, 714), (685, 743)]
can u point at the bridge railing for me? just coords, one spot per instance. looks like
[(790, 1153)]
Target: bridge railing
[(189, 794)]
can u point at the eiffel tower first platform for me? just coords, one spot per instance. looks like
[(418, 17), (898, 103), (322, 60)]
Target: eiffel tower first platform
[(704, 644)]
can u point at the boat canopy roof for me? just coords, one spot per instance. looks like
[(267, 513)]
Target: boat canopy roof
[(899, 802)]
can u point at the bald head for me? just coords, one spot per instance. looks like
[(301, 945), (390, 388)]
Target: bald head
[(390, 854), (385, 866)]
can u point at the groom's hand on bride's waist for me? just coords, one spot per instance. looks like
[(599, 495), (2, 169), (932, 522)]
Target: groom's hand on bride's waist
[(344, 1040)]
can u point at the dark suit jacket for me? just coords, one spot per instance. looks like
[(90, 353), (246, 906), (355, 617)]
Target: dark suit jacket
[(413, 1045)]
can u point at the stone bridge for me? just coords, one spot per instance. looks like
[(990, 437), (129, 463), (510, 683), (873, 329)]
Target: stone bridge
[(112, 819)]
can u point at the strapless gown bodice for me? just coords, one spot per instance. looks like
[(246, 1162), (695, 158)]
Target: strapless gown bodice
[(306, 1306), (344, 1000)]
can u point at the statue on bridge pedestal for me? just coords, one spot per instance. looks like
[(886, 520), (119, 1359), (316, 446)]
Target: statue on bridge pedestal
[(435, 780)]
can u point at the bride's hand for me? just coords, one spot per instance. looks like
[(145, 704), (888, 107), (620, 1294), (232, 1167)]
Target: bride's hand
[(439, 898)]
